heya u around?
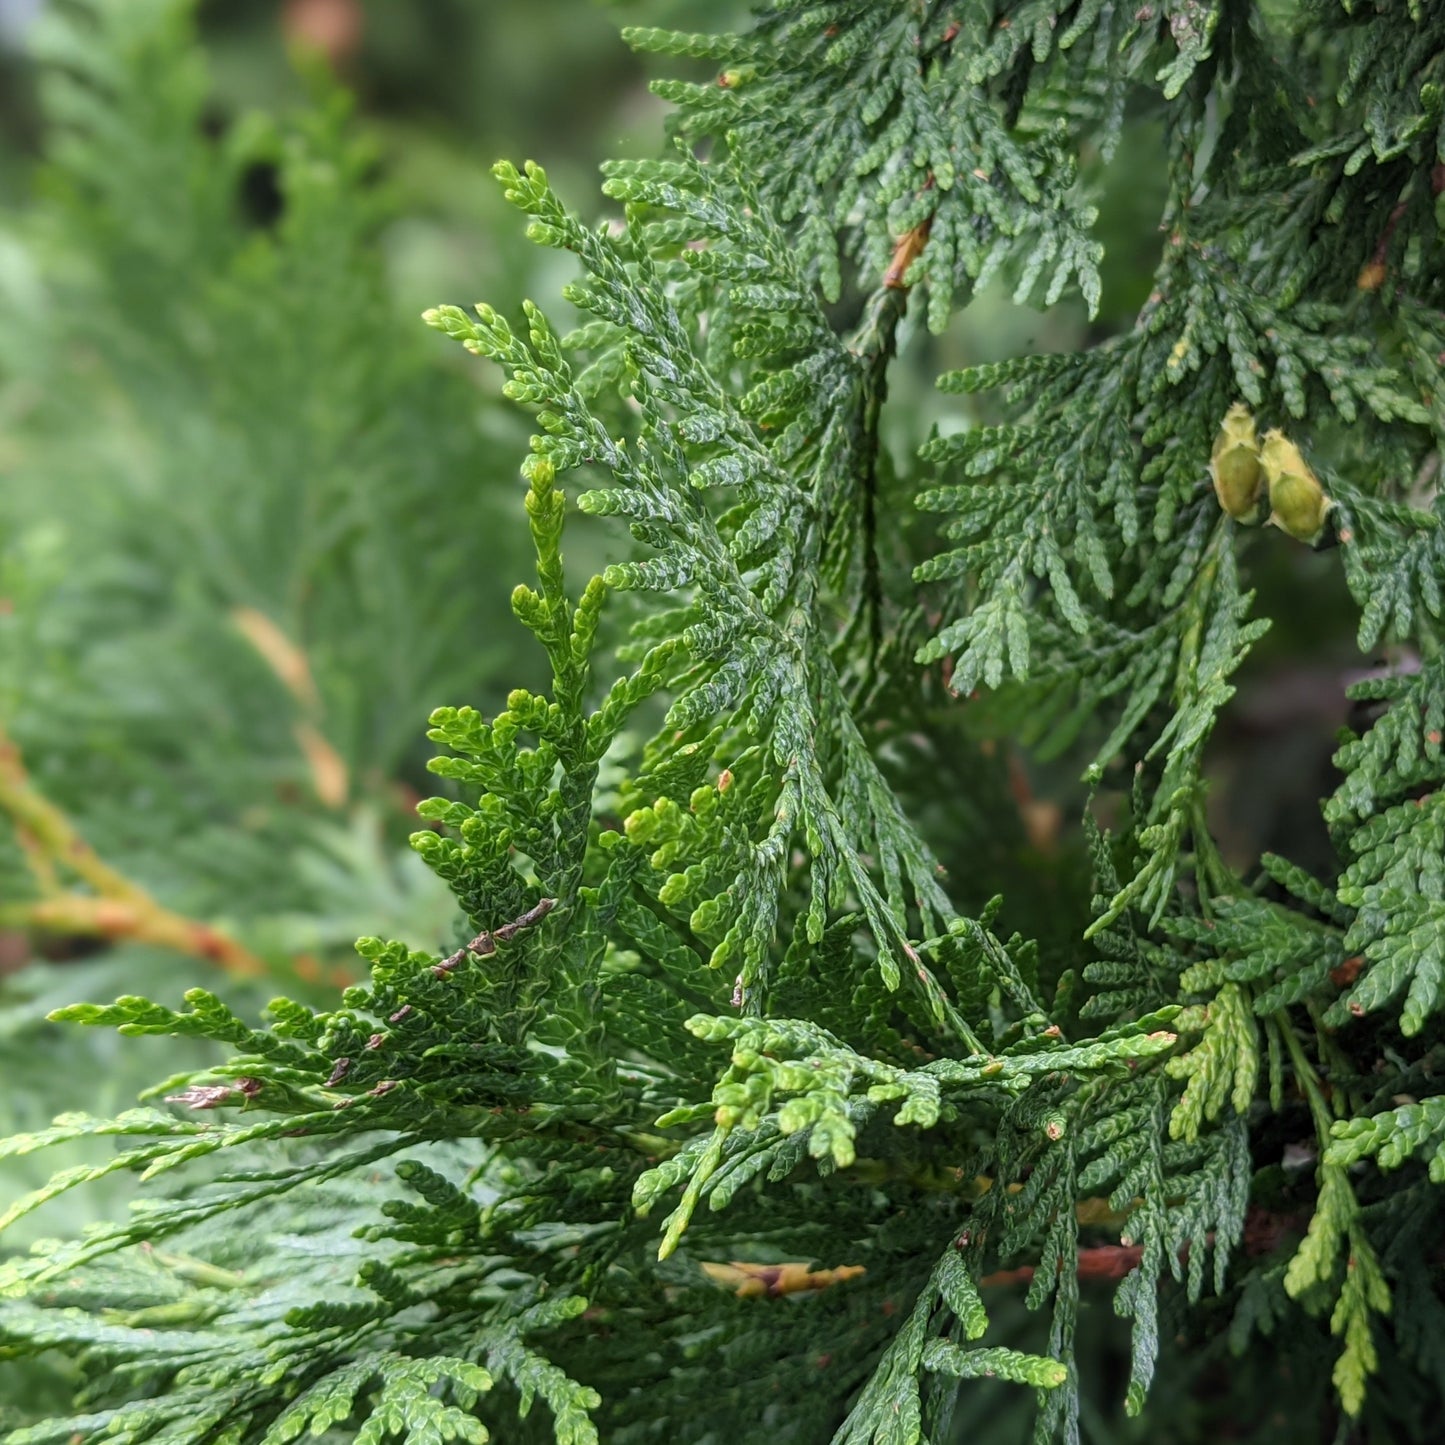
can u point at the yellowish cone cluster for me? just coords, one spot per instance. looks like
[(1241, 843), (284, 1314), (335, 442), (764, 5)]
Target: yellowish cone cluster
[(1234, 465), (1254, 478), (1297, 503)]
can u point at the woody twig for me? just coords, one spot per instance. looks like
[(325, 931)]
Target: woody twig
[(116, 907), (487, 940), (329, 775), (1373, 272)]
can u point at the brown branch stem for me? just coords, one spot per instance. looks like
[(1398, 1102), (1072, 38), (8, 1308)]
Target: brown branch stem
[(118, 907)]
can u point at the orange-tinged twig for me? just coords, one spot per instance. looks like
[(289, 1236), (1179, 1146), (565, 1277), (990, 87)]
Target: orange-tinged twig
[(329, 777), (1373, 272), (1043, 820), (280, 654), (328, 769), (149, 922), (758, 1281), (1102, 1261), (1264, 1231), (905, 253), (49, 837), (118, 907)]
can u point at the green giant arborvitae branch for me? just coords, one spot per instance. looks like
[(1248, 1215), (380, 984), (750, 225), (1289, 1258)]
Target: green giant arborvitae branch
[(721, 1000)]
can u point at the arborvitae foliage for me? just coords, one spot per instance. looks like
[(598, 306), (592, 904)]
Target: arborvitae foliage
[(723, 1034)]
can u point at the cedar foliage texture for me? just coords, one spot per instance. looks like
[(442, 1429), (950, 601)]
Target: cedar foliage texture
[(734, 1118)]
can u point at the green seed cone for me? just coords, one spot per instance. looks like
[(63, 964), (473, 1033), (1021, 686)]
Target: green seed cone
[(1298, 504), (1234, 465)]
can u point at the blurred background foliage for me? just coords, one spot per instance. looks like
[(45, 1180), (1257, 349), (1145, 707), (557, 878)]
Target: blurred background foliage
[(255, 521)]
